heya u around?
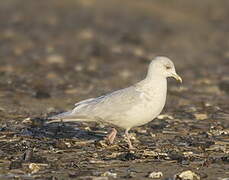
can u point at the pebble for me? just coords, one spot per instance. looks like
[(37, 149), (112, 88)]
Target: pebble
[(138, 52), (224, 86), (27, 121), (116, 49), (150, 153), (78, 68), (200, 116), (71, 91), (92, 178), (55, 59), (125, 74), (86, 34), (27, 156), (41, 94), (34, 168), (155, 175), (165, 116), (128, 156), (110, 174), (187, 175), (130, 174), (188, 154)]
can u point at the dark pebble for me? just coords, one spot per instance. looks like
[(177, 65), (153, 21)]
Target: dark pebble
[(224, 86), (15, 165), (40, 94), (128, 156), (27, 156), (225, 159)]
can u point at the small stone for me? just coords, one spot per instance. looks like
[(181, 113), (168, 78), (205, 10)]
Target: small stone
[(152, 135), (200, 116), (68, 144), (150, 153), (191, 109), (71, 91), (125, 74), (138, 52), (165, 116), (110, 174), (155, 175), (187, 175), (92, 178), (55, 59), (224, 86), (188, 154), (78, 68), (130, 174), (184, 162), (96, 161), (41, 94), (28, 155), (51, 75), (128, 156), (207, 104), (27, 120), (116, 49), (86, 34), (34, 168), (140, 130), (51, 109)]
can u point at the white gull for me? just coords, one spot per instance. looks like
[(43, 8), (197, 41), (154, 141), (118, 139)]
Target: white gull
[(128, 107)]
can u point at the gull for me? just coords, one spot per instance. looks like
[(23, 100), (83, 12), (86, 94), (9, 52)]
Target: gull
[(129, 107)]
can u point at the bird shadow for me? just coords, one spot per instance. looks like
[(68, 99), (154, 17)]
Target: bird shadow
[(38, 128)]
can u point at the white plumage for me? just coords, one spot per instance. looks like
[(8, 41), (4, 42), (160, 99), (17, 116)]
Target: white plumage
[(129, 107)]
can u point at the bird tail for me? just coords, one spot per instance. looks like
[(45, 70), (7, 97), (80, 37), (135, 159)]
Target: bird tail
[(66, 117), (60, 116)]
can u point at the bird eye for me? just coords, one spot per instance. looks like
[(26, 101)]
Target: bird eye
[(168, 67)]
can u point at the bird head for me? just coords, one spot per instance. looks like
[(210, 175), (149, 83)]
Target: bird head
[(163, 66)]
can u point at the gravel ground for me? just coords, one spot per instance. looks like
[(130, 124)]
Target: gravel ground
[(55, 53)]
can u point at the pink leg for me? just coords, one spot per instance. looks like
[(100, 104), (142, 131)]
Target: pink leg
[(112, 135), (128, 139)]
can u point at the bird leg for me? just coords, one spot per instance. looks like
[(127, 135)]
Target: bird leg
[(128, 139), (112, 135)]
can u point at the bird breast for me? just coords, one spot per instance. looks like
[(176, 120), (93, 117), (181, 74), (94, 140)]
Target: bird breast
[(150, 106)]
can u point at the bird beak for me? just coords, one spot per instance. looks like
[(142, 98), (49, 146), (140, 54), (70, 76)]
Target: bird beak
[(177, 77)]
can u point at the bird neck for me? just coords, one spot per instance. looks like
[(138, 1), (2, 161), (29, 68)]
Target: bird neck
[(150, 81)]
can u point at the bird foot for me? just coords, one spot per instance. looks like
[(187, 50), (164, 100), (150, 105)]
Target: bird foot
[(131, 147), (111, 136)]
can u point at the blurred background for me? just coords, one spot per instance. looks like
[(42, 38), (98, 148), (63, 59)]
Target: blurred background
[(55, 53), (73, 49)]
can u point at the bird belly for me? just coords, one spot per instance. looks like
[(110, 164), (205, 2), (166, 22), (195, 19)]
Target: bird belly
[(138, 115), (144, 112)]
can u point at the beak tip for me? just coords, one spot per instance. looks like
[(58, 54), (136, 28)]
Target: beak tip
[(178, 78)]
